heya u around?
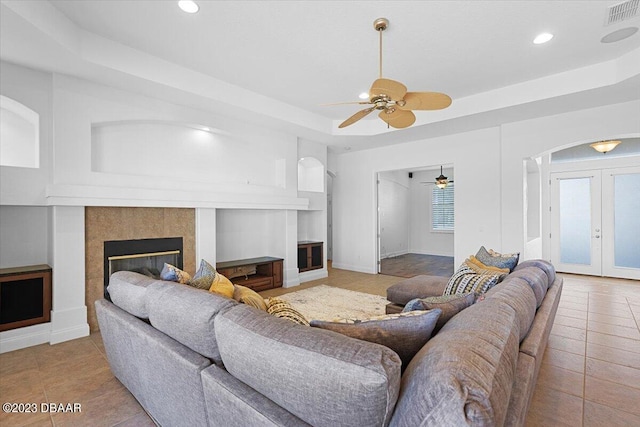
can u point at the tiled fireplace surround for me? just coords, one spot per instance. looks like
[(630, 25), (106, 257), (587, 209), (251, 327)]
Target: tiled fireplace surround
[(128, 223)]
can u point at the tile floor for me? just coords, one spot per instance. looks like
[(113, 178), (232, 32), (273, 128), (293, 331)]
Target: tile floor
[(590, 374)]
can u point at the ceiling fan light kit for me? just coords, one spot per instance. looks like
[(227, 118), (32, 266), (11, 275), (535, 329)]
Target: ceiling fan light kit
[(442, 181), (392, 99)]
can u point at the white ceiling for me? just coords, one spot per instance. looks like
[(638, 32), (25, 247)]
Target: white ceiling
[(277, 61)]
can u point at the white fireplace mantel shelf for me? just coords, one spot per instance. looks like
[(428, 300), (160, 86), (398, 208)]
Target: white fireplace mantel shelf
[(79, 195)]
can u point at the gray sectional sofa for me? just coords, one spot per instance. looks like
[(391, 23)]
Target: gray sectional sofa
[(195, 358)]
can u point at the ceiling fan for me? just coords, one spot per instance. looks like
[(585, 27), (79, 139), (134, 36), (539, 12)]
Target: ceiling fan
[(441, 181), (393, 100)]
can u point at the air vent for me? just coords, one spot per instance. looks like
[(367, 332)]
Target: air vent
[(622, 11)]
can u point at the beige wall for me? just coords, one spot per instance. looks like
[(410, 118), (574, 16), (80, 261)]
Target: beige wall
[(103, 224)]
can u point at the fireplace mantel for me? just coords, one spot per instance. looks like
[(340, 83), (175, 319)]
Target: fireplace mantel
[(84, 195)]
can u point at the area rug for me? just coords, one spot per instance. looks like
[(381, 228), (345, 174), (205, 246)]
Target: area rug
[(324, 302)]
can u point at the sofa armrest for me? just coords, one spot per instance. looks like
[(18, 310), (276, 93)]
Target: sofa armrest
[(417, 287)]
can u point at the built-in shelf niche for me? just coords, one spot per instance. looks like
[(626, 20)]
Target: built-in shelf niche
[(19, 135), (250, 233), (310, 175)]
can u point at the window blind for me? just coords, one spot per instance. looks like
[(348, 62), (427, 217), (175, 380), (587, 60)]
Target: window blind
[(442, 217)]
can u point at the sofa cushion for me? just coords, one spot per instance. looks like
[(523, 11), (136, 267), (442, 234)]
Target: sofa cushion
[(416, 287), (495, 259), (464, 374), (404, 333), (128, 290), (518, 295), (321, 377), (543, 265), (536, 278), (187, 315), (465, 280), (449, 304)]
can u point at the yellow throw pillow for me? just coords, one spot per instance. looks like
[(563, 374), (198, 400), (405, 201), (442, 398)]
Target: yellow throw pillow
[(250, 297), (473, 260), (222, 286)]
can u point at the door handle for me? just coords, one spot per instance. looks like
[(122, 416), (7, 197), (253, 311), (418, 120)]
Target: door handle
[(597, 236)]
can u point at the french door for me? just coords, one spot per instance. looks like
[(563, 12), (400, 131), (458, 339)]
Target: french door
[(595, 222)]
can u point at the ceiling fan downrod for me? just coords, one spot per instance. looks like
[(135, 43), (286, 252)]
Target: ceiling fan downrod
[(380, 25)]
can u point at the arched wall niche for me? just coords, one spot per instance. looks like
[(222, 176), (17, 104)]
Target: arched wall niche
[(19, 135), (310, 175)]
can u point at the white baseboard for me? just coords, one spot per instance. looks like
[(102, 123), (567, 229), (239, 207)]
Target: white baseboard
[(308, 276), (69, 334), (358, 268), (28, 336)]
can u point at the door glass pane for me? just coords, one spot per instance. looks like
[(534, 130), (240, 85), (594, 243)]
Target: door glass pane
[(626, 220), (575, 221)]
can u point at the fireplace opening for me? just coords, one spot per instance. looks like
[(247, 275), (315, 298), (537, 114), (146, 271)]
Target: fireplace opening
[(145, 256)]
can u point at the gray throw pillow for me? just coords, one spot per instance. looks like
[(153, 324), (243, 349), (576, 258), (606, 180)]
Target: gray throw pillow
[(404, 333), (495, 259), (449, 304)]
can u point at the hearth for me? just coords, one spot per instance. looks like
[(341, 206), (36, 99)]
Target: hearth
[(145, 256)]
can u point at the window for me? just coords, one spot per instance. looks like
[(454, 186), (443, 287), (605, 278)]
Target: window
[(442, 218)]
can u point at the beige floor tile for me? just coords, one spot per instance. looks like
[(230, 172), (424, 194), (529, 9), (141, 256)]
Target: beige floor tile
[(16, 387), (614, 341), (36, 418), (17, 361), (612, 394), (570, 321), (613, 372), (550, 407), (121, 407), (561, 379), (613, 355), (569, 332), (566, 344), (597, 415), (579, 314), (140, 420), (612, 320), (618, 310), (573, 305), (620, 331), (564, 359)]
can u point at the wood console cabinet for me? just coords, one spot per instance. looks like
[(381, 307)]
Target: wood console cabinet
[(25, 296), (258, 274), (310, 255)]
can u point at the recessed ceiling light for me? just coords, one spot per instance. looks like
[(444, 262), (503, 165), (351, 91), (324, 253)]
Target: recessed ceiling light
[(188, 6), (363, 95), (542, 38), (620, 34)]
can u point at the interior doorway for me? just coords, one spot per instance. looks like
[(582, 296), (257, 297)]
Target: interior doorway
[(595, 226), (415, 233)]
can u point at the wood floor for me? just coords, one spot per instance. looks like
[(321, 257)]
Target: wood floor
[(590, 373), (409, 265)]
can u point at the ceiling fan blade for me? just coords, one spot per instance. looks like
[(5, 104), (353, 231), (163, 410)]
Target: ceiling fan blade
[(425, 101), (393, 89), (357, 116), (397, 118), (345, 103)]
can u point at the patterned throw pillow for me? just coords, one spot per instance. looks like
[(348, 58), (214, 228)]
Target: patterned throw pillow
[(495, 259), (249, 296), (404, 333), (467, 280), (449, 304), (172, 273), (282, 309), (479, 267), (204, 276)]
